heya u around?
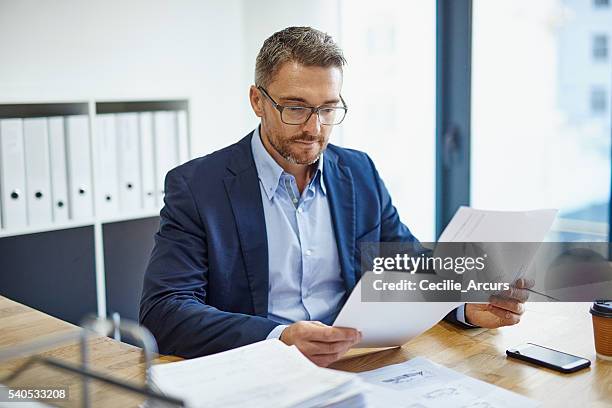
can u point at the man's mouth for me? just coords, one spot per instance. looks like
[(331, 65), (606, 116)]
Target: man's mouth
[(306, 142)]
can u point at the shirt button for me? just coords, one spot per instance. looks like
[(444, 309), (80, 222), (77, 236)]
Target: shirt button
[(308, 252), (295, 200), (300, 210)]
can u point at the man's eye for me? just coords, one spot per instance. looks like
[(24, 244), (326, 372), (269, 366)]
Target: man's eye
[(296, 108)]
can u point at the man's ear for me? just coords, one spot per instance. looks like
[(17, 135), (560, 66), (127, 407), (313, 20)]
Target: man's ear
[(256, 101)]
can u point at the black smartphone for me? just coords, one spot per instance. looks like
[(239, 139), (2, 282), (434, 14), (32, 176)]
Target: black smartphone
[(547, 357)]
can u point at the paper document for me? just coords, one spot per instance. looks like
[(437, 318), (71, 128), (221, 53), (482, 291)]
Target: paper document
[(264, 374), (511, 239), (425, 384), (471, 225), (387, 324)]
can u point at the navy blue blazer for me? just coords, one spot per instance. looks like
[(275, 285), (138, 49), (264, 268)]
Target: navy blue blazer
[(206, 285)]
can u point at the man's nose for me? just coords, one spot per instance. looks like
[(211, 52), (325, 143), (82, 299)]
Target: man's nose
[(313, 125)]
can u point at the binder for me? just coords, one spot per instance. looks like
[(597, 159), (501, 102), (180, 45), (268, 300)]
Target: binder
[(78, 147), (38, 182), (59, 176), (183, 136), (147, 161), (128, 142), (107, 189), (166, 147), (12, 174)]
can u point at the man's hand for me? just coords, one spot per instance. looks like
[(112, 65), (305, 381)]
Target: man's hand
[(320, 343), (504, 309)]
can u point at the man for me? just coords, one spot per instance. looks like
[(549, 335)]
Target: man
[(261, 239)]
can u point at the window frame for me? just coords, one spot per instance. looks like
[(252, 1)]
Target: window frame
[(453, 110), (453, 106)]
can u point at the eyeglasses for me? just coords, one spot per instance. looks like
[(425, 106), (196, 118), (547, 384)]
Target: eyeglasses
[(298, 115)]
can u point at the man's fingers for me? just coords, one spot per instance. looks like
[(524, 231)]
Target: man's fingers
[(324, 360), (330, 334), (524, 283), (506, 318), (323, 354), (321, 348), (518, 290), (515, 293), (510, 305)]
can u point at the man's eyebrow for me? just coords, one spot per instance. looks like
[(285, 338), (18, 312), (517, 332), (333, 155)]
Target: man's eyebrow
[(302, 100)]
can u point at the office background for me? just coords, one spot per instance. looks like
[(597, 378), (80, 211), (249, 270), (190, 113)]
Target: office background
[(495, 104)]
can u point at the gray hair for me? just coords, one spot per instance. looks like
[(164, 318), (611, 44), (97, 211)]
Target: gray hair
[(304, 45)]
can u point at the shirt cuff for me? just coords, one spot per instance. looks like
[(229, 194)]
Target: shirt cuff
[(277, 331), (461, 316)]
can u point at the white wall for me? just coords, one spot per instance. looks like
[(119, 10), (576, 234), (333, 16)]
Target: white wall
[(262, 18), (205, 50), (107, 50)]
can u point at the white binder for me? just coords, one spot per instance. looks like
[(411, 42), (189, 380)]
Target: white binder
[(147, 161), (183, 136), (107, 189), (59, 176), (166, 147), (12, 174), (130, 189), (78, 145), (38, 181)]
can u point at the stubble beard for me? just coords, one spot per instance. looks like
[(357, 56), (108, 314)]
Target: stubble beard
[(285, 147)]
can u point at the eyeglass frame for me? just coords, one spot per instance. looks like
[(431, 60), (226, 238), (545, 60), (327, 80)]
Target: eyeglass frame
[(313, 109)]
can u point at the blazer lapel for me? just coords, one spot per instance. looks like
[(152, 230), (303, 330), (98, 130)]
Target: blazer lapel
[(242, 187), (341, 194)]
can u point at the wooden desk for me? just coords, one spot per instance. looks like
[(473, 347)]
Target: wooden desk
[(20, 324), (481, 354), (477, 352)]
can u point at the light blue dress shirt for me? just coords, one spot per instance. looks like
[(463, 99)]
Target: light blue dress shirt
[(304, 268)]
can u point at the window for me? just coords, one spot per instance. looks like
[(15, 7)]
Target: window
[(390, 87), (600, 47), (535, 141), (599, 101)]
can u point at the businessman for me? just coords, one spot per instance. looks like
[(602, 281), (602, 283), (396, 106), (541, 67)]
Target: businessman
[(261, 239)]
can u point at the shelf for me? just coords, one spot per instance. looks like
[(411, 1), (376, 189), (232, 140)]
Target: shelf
[(141, 106), (128, 217), (32, 110), (104, 239), (77, 223), (46, 228)]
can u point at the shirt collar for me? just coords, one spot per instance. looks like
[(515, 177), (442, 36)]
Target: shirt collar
[(269, 171), (319, 174)]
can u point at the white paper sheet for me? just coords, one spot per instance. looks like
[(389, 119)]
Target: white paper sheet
[(387, 324), (425, 384), (472, 225), (493, 230), (263, 374)]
